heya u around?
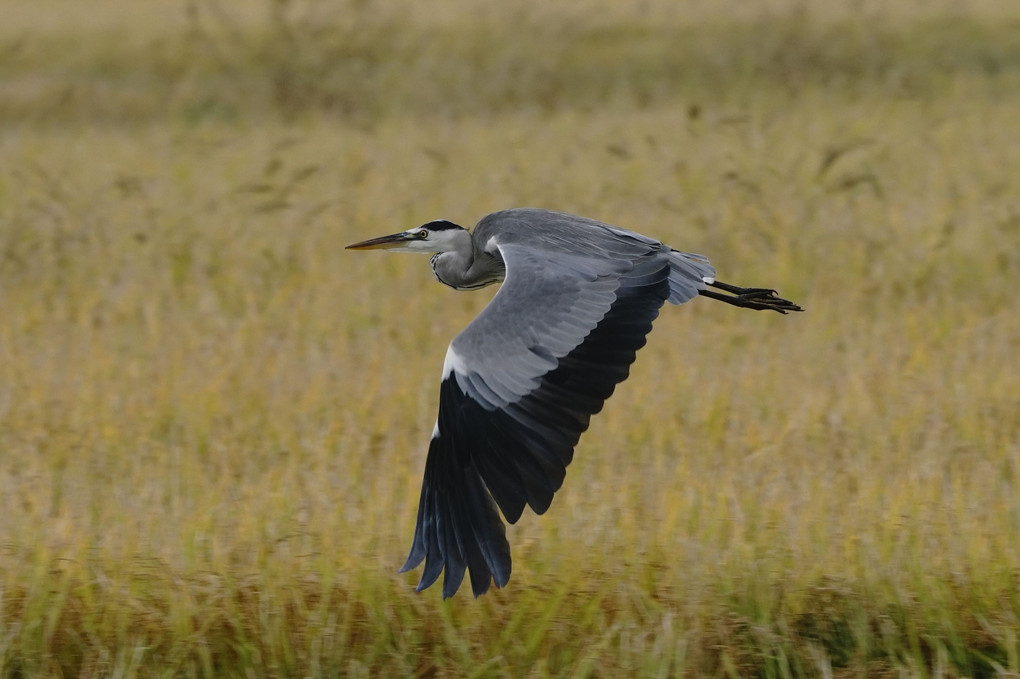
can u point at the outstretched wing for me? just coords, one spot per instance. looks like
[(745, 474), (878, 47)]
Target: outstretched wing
[(520, 385)]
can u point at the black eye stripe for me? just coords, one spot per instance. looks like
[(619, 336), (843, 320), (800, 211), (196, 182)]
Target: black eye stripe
[(441, 225)]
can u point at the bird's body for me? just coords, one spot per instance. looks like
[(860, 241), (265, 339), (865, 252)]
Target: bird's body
[(522, 380)]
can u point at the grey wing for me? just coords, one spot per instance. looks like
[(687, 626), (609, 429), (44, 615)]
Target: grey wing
[(688, 272), (520, 385)]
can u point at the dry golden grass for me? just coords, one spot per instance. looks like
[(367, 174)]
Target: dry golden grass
[(213, 419)]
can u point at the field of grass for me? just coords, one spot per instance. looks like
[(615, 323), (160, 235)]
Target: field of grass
[(213, 419)]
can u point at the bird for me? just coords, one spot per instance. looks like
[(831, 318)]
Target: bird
[(521, 382)]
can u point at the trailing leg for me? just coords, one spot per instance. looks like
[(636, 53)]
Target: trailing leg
[(750, 298)]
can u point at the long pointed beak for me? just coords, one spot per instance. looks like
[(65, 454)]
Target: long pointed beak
[(383, 242)]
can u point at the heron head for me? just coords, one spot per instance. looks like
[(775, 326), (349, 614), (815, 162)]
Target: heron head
[(437, 236)]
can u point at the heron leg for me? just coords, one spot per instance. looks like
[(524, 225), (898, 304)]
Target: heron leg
[(750, 298)]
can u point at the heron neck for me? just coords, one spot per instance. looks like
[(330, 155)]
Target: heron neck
[(462, 271)]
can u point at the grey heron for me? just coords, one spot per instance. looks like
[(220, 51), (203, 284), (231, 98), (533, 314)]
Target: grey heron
[(521, 382)]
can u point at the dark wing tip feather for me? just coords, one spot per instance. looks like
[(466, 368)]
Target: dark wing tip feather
[(458, 528)]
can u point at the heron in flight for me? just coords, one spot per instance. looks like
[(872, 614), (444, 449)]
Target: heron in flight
[(521, 382)]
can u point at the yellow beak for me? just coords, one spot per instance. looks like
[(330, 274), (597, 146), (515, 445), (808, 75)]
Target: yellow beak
[(381, 243)]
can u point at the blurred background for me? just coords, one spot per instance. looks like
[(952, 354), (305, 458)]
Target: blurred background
[(213, 419)]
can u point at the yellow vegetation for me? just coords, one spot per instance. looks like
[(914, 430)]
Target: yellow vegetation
[(213, 419)]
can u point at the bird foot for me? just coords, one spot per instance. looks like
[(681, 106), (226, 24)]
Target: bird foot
[(758, 299)]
